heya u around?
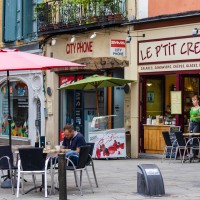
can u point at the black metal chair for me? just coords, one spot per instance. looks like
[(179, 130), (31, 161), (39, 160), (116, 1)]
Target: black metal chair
[(32, 161), (187, 146), (6, 163), (90, 161), (81, 166), (169, 146)]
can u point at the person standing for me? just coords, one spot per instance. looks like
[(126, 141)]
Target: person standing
[(194, 125), (72, 140)]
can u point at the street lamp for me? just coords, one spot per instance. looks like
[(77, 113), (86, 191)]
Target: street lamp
[(129, 37)]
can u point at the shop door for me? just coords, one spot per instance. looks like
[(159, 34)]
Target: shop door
[(118, 122), (190, 87), (151, 102)]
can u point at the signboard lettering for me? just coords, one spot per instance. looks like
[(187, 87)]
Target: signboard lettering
[(169, 67), (66, 80), (169, 50), (79, 47)]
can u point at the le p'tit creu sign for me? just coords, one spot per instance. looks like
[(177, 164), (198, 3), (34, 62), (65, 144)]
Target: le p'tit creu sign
[(168, 50)]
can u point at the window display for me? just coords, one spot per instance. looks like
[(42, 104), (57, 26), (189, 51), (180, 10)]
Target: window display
[(19, 109)]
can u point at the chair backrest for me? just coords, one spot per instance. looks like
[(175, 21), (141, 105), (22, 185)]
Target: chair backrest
[(167, 138), (91, 147), (32, 159), (91, 144), (5, 151), (180, 138), (83, 156)]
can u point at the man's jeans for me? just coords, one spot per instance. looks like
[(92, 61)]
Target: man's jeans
[(73, 156)]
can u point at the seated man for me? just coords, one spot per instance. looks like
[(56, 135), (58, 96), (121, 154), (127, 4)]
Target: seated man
[(72, 140)]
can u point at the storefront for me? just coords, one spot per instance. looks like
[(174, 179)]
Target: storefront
[(169, 67), (27, 107), (100, 57), (79, 107)]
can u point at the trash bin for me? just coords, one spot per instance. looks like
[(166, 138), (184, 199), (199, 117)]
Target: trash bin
[(149, 180)]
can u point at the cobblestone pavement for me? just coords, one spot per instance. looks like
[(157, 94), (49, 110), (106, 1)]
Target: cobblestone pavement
[(117, 180)]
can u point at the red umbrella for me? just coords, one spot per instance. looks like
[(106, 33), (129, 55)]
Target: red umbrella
[(11, 60), (16, 60)]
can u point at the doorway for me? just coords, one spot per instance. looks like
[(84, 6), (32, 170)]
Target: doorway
[(151, 102)]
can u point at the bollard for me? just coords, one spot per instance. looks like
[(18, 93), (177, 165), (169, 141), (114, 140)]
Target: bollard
[(149, 180), (62, 177)]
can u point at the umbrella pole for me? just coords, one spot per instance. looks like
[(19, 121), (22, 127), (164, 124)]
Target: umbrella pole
[(97, 102), (9, 116)]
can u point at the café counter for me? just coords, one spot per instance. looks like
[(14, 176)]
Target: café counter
[(153, 139)]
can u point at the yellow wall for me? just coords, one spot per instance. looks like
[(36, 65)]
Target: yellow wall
[(154, 105)]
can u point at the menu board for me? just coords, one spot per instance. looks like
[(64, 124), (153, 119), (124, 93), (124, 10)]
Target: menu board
[(176, 99)]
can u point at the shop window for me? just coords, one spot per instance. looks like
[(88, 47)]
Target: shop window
[(18, 108)]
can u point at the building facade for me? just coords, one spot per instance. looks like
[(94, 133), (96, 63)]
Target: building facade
[(101, 46), (168, 66), (19, 31), (35, 27)]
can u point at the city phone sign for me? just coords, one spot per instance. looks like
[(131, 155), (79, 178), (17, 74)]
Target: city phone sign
[(117, 48)]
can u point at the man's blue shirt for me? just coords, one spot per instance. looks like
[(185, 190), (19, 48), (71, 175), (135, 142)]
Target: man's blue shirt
[(76, 142)]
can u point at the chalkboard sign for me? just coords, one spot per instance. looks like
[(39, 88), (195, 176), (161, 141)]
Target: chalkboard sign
[(172, 130)]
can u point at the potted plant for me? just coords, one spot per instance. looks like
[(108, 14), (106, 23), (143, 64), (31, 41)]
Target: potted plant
[(76, 9), (47, 12), (39, 10)]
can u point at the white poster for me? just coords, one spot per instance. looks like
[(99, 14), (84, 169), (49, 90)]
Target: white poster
[(110, 143), (118, 48), (176, 99)]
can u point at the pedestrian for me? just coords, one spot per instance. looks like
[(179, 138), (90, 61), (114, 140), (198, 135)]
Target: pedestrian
[(194, 124)]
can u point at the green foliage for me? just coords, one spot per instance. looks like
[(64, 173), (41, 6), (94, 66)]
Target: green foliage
[(40, 7), (39, 10), (42, 10)]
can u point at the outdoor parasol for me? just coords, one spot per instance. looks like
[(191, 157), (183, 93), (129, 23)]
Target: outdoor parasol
[(14, 60), (95, 82)]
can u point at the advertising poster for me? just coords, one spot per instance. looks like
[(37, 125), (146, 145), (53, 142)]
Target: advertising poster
[(176, 99), (109, 143)]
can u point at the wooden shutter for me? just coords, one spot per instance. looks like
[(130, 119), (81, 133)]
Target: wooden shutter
[(10, 20), (27, 19)]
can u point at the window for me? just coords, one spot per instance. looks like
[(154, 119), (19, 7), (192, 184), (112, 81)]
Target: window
[(18, 107), (18, 20)]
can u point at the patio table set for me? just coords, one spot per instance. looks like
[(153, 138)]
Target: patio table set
[(43, 162), (186, 144)]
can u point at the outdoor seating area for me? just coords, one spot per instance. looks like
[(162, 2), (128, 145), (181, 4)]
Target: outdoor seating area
[(117, 183), (42, 166), (185, 145)]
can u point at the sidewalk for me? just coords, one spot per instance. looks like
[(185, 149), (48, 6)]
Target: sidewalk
[(118, 181)]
